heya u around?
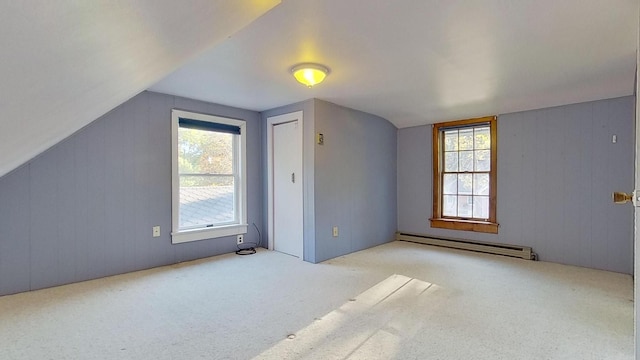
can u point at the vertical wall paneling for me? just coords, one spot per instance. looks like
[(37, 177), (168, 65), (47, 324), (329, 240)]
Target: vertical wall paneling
[(583, 182), (96, 182), (142, 177), (510, 165), (129, 241), (334, 183), (599, 199), (81, 251), (530, 230), (309, 173), (414, 162), (151, 168), (572, 192), (159, 172), (557, 168), (554, 174), (355, 180), (619, 157), (85, 208), (65, 169), (43, 222), (255, 179), (350, 181), (115, 240), (15, 256), (540, 199)]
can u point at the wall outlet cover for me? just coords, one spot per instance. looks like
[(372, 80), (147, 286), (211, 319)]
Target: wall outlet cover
[(240, 239)]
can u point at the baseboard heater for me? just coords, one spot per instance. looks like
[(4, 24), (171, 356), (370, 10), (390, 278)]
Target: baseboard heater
[(523, 252)]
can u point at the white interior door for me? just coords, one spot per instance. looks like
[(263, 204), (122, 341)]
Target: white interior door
[(636, 234), (636, 239), (287, 188)]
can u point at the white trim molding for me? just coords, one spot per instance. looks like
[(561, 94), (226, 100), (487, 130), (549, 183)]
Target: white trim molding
[(271, 121), (239, 226)]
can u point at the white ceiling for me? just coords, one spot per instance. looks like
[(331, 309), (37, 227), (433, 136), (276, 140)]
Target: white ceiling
[(66, 63), (423, 61)]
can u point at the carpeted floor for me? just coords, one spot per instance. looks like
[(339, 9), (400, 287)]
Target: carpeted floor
[(396, 301)]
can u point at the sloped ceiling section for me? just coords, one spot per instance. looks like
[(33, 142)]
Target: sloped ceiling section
[(66, 63)]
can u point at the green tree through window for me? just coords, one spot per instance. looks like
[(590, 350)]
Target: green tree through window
[(464, 175)]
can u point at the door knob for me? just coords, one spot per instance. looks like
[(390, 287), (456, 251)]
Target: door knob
[(621, 197)]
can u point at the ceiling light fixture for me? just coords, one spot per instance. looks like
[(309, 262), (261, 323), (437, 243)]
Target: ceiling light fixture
[(310, 74)]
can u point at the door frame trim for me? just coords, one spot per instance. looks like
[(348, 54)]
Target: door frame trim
[(271, 122)]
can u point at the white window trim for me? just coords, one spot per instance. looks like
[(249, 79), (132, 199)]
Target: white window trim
[(241, 227)]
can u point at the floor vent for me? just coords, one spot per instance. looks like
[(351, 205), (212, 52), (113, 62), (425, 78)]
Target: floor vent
[(523, 252)]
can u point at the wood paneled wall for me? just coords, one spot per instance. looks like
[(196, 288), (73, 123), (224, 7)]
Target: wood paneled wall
[(557, 168), (85, 208)]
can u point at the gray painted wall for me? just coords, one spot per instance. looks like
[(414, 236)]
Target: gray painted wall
[(557, 168), (350, 182), (355, 180), (85, 208), (636, 251)]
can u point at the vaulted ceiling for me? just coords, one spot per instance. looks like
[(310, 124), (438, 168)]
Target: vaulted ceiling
[(66, 63)]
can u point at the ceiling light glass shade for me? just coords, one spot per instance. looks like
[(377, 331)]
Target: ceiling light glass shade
[(309, 74)]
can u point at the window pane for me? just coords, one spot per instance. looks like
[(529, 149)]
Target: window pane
[(465, 161), (449, 205), (480, 184), (465, 167), (465, 206), (465, 184), (482, 138), (465, 141), (206, 200), (451, 140), (450, 184), (482, 160), (204, 152), (451, 161), (481, 207)]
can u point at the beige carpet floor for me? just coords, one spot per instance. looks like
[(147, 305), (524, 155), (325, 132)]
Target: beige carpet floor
[(395, 301)]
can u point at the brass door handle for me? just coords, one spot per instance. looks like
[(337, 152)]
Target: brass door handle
[(621, 197)]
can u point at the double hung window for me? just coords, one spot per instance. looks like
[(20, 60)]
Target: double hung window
[(464, 191), (209, 177)]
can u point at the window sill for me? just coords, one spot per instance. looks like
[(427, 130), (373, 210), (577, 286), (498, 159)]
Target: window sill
[(207, 233), (465, 225)]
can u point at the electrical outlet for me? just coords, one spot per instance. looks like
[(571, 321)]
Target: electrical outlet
[(156, 231), (335, 231), (240, 239)]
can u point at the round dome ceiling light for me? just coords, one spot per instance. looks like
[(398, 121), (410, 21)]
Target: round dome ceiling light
[(310, 74)]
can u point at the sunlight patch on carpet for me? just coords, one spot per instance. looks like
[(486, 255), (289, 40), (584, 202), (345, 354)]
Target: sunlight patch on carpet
[(375, 324)]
